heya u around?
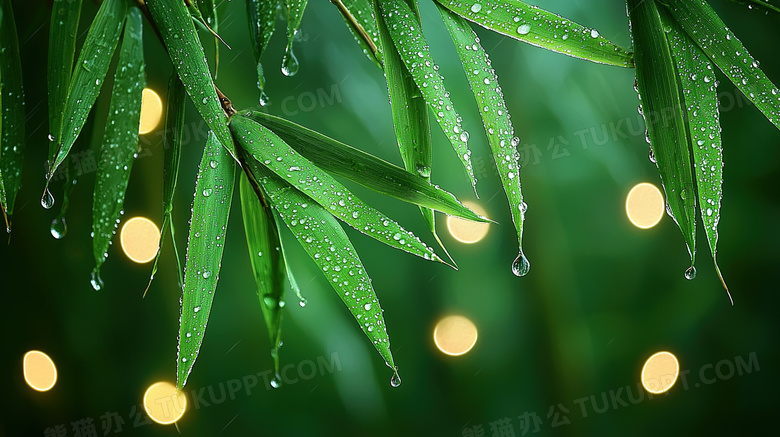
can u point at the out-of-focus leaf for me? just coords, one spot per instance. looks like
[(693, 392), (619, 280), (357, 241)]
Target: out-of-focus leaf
[(327, 244), (662, 106), (709, 32), (262, 20), (187, 56), (89, 74), (761, 5), (342, 160), (412, 47), (208, 9), (359, 16), (12, 148), (210, 211), (267, 260), (699, 87), (294, 9), (271, 151), (174, 129), (495, 117), (541, 28), (62, 49), (120, 141)]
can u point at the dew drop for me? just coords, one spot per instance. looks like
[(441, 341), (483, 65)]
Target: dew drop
[(276, 381), (690, 273), (524, 29), (395, 381), (47, 200), (58, 227), (289, 62), (521, 266), (476, 7), (96, 281), (594, 33)]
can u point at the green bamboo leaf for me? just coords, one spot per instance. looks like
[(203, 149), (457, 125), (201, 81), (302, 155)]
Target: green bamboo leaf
[(762, 5), (186, 53), (88, 76), (208, 10), (495, 118), (409, 40), (328, 245), (62, 50), (270, 150), (709, 32), (699, 86), (174, 129), (13, 139), (2, 185), (262, 20), (662, 108), (359, 16), (294, 9), (267, 260), (210, 211), (541, 28), (342, 160), (120, 141)]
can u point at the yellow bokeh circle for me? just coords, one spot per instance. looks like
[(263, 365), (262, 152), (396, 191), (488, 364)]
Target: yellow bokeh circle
[(455, 335), (140, 239), (40, 373), (660, 372), (163, 403), (645, 205), (467, 231), (151, 111)]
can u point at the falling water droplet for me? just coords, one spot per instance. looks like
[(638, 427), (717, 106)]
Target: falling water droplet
[(263, 100), (276, 381), (395, 381), (690, 273), (289, 62), (47, 200), (59, 227), (521, 266), (96, 280), (302, 302)]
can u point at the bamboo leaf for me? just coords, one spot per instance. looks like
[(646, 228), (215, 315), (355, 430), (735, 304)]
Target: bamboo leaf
[(272, 152), (186, 53), (210, 211), (120, 141), (88, 76), (262, 20), (538, 27), (62, 50), (495, 118), (174, 129), (762, 5), (294, 9), (662, 106), (327, 244), (13, 116), (342, 160), (359, 16), (267, 260), (709, 32), (208, 9), (410, 42), (699, 86)]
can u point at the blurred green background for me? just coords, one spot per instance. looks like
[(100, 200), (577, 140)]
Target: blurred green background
[(601, 297)]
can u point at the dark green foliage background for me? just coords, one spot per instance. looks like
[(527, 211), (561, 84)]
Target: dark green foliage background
[(601, 296)]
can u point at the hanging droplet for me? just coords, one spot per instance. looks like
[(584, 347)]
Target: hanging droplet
[(690, 273), (96, 280), (521, 266), (263, 100), (303, 302), (59, 227), (47, 200), (276, 381), (395, 381), (289, 62)]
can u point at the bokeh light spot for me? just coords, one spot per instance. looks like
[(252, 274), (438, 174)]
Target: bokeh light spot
[(644, 205), (151, 111), (140, 239), (660, 372), (467, 231), (40, 373), (455, 335), (163, 403)]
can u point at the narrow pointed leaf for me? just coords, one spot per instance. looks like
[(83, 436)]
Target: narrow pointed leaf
[(187, 56), (359, 16), (342, 160), (762, 5), (328, 245), (267, 260), (700, 95), (13, 138), (120, 141), (62, 50), (295, 9), (208, 10), (262, 20), (206, 242), (541, 28), (273, 153), (709, 32), (495, 118), (88, 75), (662, 107), (409, 40)]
